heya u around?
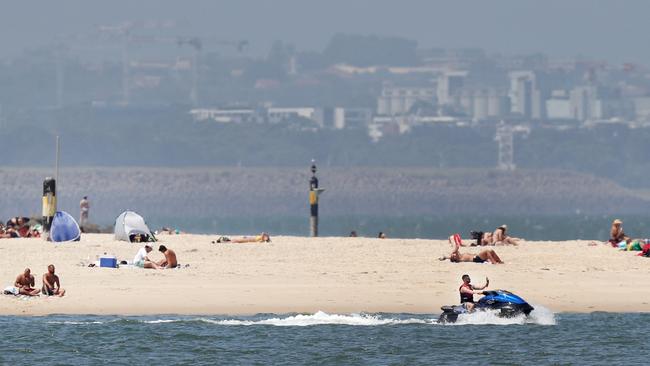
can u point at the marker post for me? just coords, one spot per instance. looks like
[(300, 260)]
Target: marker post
[(314, 192)]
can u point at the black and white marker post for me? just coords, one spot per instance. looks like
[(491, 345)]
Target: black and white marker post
[(314, 192)]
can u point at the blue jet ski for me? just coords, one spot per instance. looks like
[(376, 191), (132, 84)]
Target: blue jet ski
[(505, 302)]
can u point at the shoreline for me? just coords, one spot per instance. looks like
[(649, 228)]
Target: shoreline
[(336, 275)]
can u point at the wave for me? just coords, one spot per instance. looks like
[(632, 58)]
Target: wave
[(540, 316), (322, 318)]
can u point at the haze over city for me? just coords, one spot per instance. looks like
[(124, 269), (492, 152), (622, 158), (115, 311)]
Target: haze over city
[(610, 30), (472, 91)]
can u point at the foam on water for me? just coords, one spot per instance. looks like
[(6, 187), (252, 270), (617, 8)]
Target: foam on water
[(540, 316), (321, 318)]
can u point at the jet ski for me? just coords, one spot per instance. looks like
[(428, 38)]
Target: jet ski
[(506, 304)]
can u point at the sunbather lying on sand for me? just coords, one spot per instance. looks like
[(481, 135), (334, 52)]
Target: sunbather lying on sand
[(262, 238), (25, 283), (486, 255)]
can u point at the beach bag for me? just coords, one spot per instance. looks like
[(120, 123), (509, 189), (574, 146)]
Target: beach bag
[(11, 290)]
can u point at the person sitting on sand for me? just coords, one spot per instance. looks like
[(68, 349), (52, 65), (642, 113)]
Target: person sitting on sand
[(170, 258), (500, 237), (25, 283), (487, 239), (51, 284), (141, 260), (17, 222), (262, 238), (7, 233), (616, 234), (467, 292), (486, 255)]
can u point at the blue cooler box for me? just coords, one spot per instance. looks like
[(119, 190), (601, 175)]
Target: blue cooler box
[(108, 261)]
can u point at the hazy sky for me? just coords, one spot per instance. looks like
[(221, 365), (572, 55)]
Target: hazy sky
[(616, 30)]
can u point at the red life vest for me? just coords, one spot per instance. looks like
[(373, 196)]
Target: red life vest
[(466, 297)]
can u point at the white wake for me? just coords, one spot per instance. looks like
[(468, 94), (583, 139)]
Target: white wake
[(321, 318), (539, 316)]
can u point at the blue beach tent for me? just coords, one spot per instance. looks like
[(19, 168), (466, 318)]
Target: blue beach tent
[(64, 228)]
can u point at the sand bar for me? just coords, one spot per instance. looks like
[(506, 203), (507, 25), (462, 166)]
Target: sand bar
[(337, 275)]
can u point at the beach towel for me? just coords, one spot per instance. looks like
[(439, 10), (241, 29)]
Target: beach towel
[(645, 252), (11, 290)]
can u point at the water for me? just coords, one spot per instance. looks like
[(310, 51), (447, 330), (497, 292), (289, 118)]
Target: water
[(432, 227), (344, 339)]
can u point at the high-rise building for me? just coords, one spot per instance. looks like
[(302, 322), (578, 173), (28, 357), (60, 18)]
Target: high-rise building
[(450, 84), (525, 97)]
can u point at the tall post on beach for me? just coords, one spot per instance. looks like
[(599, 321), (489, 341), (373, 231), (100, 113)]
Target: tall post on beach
[(314, 192), (49, 204), (49, 195)]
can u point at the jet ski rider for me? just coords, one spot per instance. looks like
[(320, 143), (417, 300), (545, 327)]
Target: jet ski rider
[(467, 291)]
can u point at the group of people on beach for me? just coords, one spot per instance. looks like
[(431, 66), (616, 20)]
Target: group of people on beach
[(25, 284), (618, 239), (19, 227), (498, 237), (142, 260)]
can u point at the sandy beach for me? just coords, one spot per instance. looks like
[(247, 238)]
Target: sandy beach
[(337, 275)]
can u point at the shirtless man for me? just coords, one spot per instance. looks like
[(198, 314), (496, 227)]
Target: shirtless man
[(486, 255), (51, 284), (501, 238), (170, 258), (487, 239), (25, 283)]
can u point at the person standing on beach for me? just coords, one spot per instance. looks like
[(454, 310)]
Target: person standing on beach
[(51, 284), (25, 283), (84, 207)]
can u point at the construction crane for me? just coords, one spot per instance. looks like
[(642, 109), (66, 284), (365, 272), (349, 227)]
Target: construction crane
[(124, 32), (506, 149)]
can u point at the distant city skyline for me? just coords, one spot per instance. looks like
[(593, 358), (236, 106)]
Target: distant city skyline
[(607, 30)]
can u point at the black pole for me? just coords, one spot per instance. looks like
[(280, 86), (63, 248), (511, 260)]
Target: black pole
[(49, 203), (314, 191)]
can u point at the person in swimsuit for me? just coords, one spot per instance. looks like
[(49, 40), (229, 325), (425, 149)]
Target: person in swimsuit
[(51, 284), (25, 283), (467, 292), (170, 258), (262, 238), (616, 234), (486, 255), (500, 237)]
